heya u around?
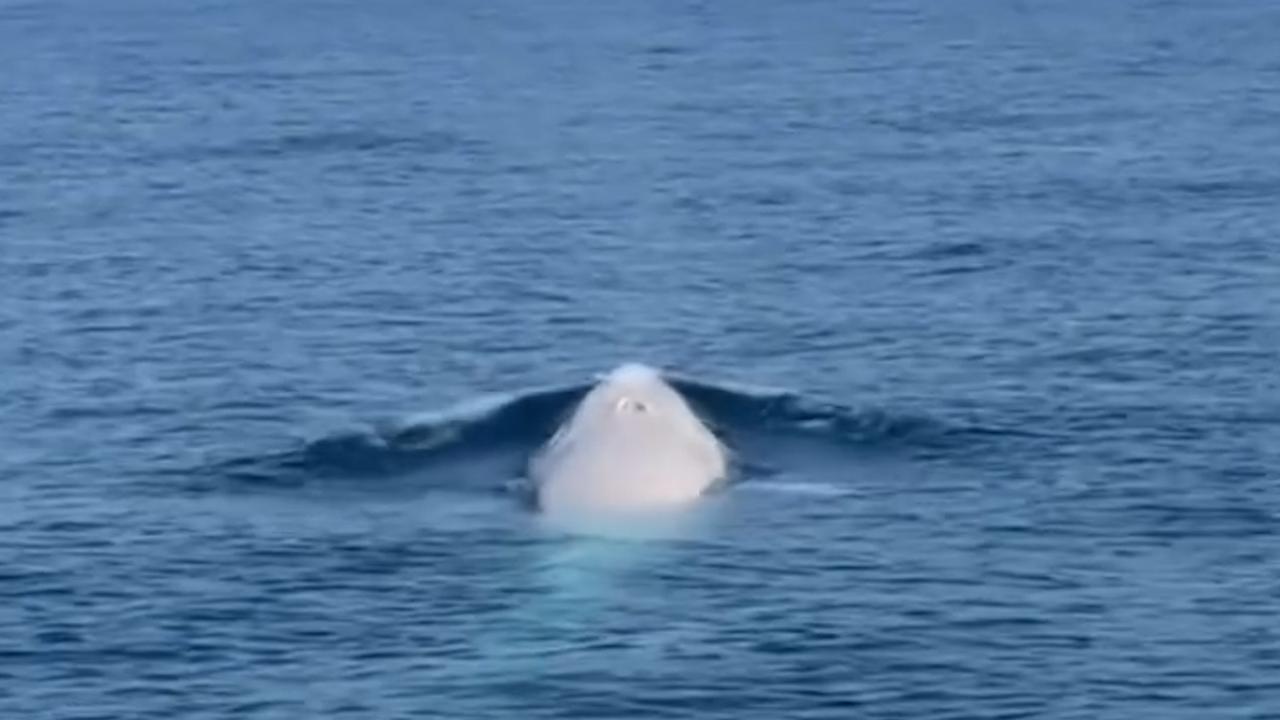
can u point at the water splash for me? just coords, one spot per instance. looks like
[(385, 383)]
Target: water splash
[(485, 443)]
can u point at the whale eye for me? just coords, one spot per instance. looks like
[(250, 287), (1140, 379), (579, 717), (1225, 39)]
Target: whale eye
[(628, 405)]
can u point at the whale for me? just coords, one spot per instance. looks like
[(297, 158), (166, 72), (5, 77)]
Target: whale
[(632, 443)]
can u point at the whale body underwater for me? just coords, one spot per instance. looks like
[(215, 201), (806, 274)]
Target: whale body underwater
[(631, 443)]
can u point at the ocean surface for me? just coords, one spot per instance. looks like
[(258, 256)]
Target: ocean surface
[(984, 296)]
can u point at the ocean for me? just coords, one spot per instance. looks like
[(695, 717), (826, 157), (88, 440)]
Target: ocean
[(984, 296)]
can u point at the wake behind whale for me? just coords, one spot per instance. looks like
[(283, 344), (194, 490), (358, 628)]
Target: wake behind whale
[(506, 442)]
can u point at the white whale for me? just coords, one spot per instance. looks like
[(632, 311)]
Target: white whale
[(632, 443)]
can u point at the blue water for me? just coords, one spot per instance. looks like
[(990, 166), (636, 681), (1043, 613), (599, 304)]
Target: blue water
[(984, 295)]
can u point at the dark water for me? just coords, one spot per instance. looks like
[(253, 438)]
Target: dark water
[(1010, 267)]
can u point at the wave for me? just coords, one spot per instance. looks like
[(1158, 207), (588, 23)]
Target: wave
[(320, 142), (493, 436)]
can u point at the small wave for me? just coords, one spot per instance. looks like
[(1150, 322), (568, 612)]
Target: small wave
[(811, 489), (492, 433), (324, 142), (949, 250), (490, 438), (737, 408)]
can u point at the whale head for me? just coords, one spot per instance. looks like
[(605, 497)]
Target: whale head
[(632, 443)]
